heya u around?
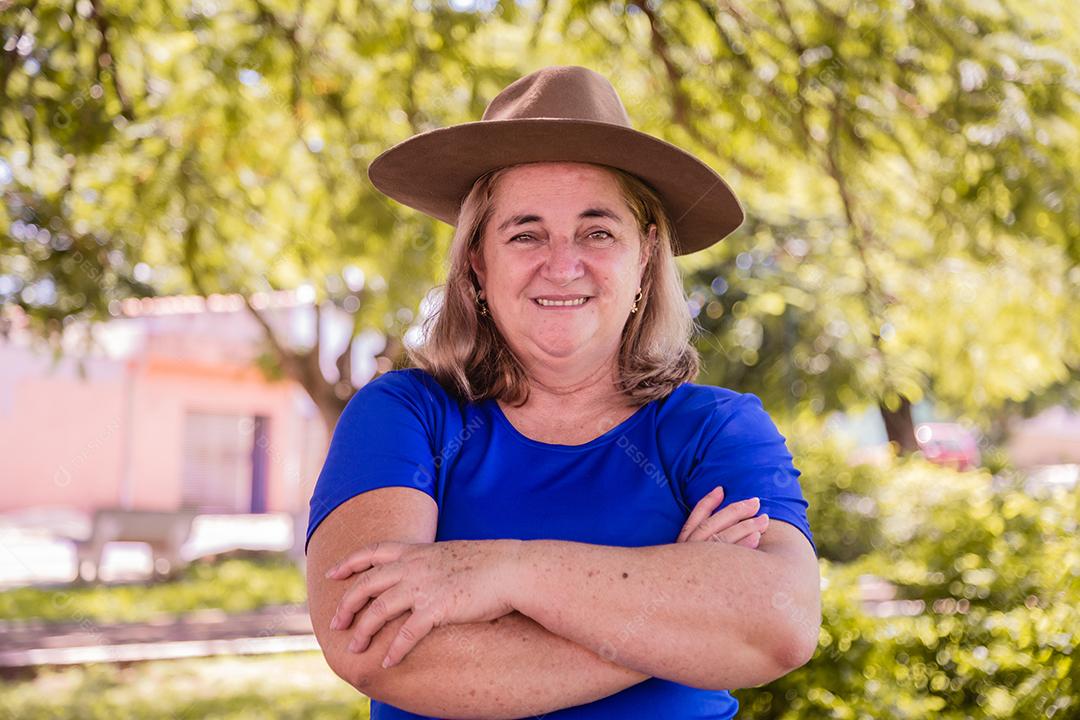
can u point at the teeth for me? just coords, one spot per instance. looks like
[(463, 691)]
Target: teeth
[(550, 303)]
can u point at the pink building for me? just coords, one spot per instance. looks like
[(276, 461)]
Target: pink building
[(169, 412)]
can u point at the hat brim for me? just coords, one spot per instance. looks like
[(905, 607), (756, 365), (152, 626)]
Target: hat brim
[(433, 171)]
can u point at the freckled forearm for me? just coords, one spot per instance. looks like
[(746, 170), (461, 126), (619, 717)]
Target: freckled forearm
[(684, 612), (508, 668)]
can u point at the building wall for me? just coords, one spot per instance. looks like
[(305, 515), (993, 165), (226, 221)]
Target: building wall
[(114, 438), (60, 434), (166, 390)]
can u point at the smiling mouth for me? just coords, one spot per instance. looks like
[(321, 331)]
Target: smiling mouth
[(578, 302)]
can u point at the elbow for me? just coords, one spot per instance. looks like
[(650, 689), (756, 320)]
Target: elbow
[(797, 654), (765, 663), (345, 666), (797, 646), (363, 670), (363, 674), (796, 618), (780, 647), (761, 659)]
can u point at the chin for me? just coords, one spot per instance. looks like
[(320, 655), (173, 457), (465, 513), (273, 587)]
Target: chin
[(559, 349)]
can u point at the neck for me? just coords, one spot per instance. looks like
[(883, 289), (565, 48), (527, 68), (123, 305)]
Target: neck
[(565, 387)]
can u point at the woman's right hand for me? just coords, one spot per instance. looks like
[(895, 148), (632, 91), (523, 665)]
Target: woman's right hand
[(735, 524)]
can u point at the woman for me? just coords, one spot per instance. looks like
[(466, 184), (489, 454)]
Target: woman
[(516, 526)]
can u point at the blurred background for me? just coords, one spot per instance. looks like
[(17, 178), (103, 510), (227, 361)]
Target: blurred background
[(196, 275)]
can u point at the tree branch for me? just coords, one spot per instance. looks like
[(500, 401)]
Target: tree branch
[(105, 51), (680, 101)]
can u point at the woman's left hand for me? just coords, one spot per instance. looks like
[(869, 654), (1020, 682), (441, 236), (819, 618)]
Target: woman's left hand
[(442, 583)]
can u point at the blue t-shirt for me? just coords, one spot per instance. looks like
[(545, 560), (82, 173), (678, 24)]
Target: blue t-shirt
[(633, 486)]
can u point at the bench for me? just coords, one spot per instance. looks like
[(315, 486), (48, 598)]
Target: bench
[(164, 531)]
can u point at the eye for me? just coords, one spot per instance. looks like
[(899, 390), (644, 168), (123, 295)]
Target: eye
[(523, 236), (604, 233)]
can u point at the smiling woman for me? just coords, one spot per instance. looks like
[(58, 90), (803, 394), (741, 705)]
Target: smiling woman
[(557, 233), (521, 524)]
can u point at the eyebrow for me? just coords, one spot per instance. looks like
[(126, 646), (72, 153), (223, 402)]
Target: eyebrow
[(524, 218)]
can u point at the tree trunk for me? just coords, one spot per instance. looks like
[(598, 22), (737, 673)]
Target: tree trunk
[(303, 367), (900, 427)]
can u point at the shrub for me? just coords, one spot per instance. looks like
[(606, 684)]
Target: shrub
[(994, 576)]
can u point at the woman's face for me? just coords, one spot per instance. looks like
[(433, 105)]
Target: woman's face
[(558, 233)]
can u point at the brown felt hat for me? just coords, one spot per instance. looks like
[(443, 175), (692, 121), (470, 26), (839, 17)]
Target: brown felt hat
[(562, 113)]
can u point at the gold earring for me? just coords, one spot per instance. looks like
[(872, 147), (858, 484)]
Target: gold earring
[(637, 299), (480, 302)]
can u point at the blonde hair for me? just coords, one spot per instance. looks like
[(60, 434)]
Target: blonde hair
[(465, 352)]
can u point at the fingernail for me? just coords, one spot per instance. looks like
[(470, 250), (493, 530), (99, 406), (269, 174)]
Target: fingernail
[(333, 623), (386, 661), (765, 516), (331, 571), (354, 645)]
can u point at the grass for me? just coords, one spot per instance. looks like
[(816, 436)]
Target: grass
[(233, 583), (286, 686)]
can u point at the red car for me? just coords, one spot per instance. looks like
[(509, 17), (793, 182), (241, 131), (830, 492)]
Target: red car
[(948, 444)]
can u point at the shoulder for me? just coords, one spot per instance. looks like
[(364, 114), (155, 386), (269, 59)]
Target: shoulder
[(711, 414), (409, 380), (410, 390), (406, 380), (705, 403)]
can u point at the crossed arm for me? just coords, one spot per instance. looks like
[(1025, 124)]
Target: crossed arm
[(705, 614), (584, 632)]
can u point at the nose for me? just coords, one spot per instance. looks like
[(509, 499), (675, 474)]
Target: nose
[(562, 264)]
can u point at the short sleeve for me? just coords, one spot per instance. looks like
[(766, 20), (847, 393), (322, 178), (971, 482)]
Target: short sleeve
[(746, 454), (382, 439)]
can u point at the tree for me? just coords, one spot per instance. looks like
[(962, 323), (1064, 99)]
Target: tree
[(906, 169), (224, 150)]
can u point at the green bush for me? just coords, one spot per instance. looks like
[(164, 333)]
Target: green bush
[(980, 663), (952, 534), (842, 501), (993, 577)]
